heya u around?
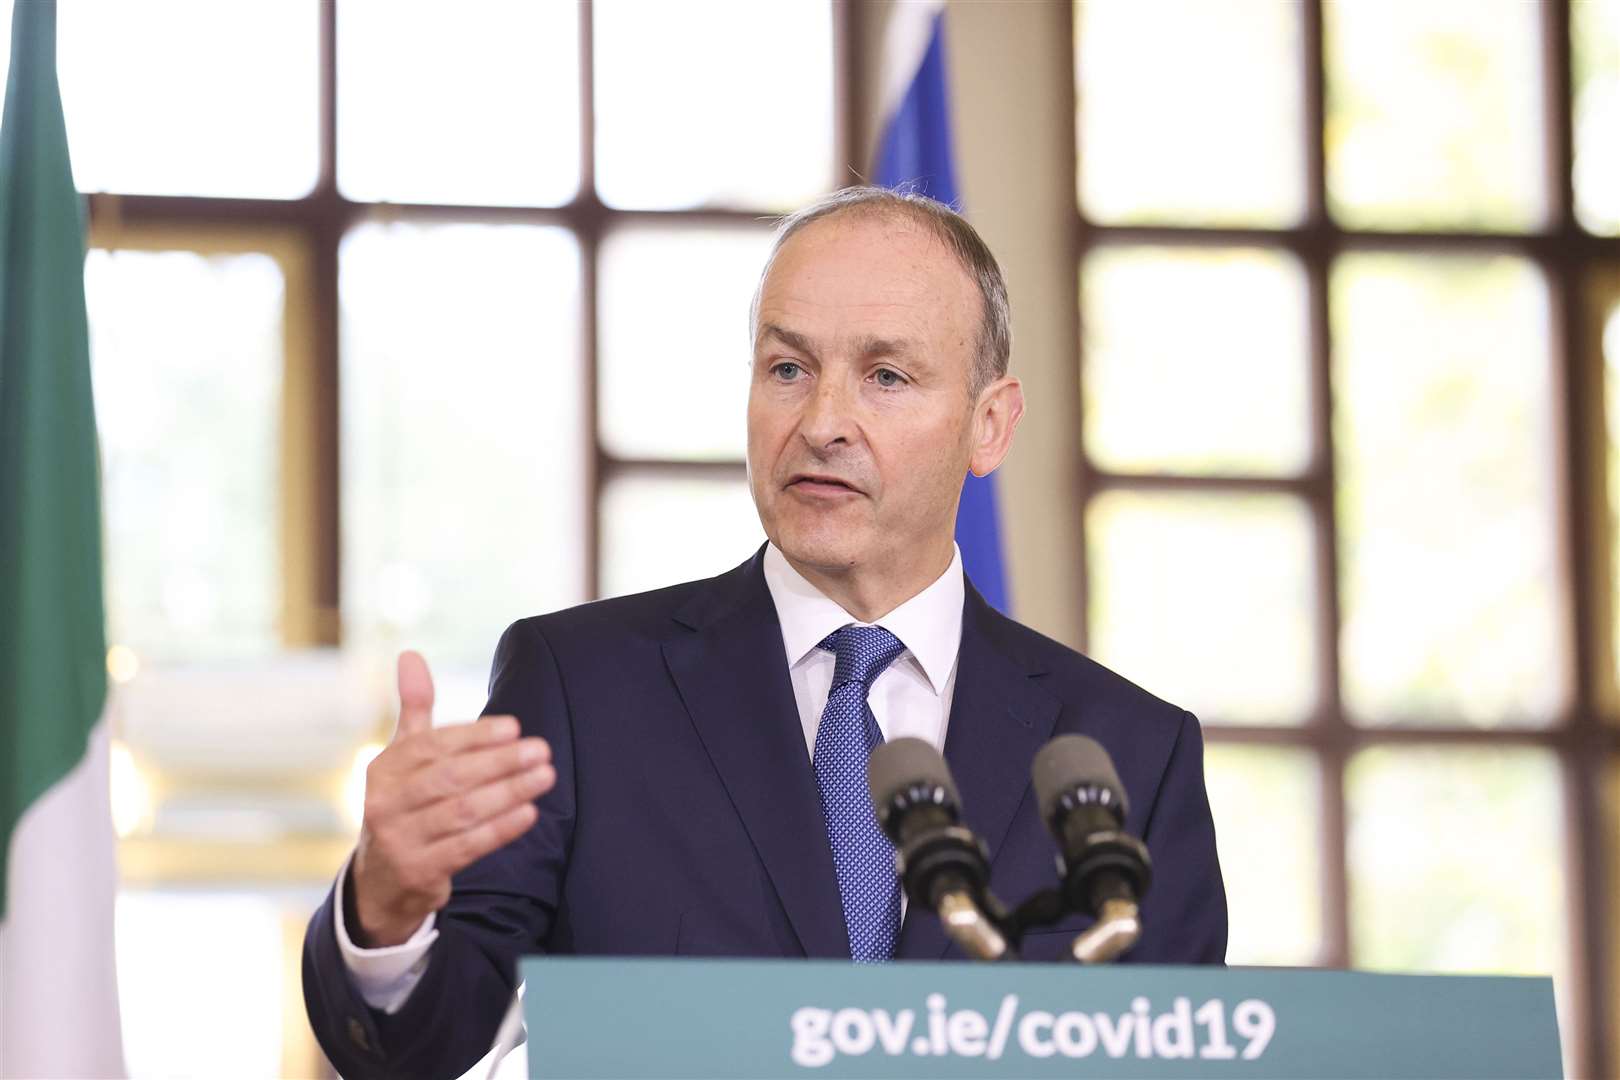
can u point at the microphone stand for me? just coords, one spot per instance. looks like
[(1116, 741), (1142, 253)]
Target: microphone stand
[(972, 928), (510, 1035), (1118, 926)]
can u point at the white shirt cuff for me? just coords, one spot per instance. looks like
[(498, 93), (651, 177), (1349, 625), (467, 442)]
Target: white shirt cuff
[(385, 977)]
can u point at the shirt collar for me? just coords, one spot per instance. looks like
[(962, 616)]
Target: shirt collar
[(929, 624)]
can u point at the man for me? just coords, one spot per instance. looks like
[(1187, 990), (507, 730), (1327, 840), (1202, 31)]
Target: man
[(682, 772)]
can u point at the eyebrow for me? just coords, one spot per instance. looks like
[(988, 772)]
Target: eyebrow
[(788, 337), (866, 347), (871, 347)]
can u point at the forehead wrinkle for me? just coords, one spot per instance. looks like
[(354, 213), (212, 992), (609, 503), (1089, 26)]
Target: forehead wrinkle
[(869, 346), (896, 311), (863, 346), (864, 329)]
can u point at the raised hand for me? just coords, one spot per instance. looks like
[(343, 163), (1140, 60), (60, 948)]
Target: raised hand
[(437, 799)]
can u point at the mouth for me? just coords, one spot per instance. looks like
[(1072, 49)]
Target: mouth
[(821, 485)]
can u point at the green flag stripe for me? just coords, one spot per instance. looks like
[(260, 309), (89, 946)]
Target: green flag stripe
[(52, 641)]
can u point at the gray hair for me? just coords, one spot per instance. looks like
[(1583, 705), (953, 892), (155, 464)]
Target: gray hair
[(948, 227)]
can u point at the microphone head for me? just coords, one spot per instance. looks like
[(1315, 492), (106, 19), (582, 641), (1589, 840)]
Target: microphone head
[(904, 772), (1072, 762)]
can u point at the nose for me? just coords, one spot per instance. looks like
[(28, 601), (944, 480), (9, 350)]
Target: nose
[(828, 419)]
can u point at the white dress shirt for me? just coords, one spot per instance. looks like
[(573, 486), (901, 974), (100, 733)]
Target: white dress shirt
[(911, 697)]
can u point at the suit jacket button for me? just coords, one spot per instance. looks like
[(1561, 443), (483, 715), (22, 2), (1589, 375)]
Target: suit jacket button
[(357, 1035)]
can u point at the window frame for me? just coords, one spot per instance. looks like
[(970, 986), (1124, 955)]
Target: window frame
[(312, 523), (1582, 270), (304, 236), (1579, 268)]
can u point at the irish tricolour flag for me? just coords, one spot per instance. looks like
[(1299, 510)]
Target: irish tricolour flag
[(58, 994)]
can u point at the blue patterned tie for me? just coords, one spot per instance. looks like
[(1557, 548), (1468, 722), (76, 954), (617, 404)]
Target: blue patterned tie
[(862, 856)]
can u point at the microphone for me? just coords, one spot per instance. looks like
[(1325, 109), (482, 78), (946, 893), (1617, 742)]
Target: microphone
[(943, 866), (1104, 870)]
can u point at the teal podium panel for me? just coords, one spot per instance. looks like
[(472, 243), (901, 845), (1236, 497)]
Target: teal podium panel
[(785, 1018)]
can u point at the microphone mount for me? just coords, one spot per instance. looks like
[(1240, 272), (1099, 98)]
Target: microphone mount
[(1102, 869), (942, 865)]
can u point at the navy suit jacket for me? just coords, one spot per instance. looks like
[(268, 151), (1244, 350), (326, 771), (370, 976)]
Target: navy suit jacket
[(685, 819)]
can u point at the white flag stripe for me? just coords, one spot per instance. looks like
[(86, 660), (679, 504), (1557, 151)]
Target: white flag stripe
[(58, 982), (905, 41)]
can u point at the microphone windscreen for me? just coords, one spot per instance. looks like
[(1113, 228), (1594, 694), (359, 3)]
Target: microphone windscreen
[(1071, 761), (900, 763)]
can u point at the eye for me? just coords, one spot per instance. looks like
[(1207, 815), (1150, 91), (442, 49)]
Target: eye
[(889, 379), (787, 370)]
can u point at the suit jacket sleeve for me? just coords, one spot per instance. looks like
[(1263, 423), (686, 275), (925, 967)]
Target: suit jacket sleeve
[(1184, 911), (501, 907)]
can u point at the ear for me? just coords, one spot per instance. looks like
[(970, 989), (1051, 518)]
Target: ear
[(999, 408)]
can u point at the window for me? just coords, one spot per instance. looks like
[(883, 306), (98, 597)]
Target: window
[(1348, 308), (389, 311)]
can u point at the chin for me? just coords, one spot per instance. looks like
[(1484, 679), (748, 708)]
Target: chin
[(823, 545)]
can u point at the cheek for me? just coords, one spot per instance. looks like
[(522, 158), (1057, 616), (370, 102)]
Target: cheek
[(759, 425), (767, 427), (928, 466)]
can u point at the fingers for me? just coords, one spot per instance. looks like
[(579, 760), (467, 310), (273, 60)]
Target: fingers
[(437, 800), (462, 849), (415, 694), (410, 753), (468, 811), (450, 775), (406, 858)]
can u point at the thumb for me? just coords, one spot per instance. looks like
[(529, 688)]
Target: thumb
[(415, 694)]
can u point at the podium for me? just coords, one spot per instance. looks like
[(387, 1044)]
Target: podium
[(593, 1017)]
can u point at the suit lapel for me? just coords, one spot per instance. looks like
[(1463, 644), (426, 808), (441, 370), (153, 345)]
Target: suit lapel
[(729, 668), (999, 718)]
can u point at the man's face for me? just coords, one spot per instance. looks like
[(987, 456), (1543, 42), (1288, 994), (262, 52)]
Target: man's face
[(859, 415)]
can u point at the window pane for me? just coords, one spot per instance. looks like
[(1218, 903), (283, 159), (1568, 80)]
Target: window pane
[(1274, 889), (721, 103), (1434, 115), (1207, 601), (1456, 862), (1451, 588), (1596, 30), (184, 1013), (1195, 361), (191, 97), (463, 462), (674, 339), (641, 551), (186, 355), (479, 105), (1171, 130)]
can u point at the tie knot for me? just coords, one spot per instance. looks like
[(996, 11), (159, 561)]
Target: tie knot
[(862, 653)]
